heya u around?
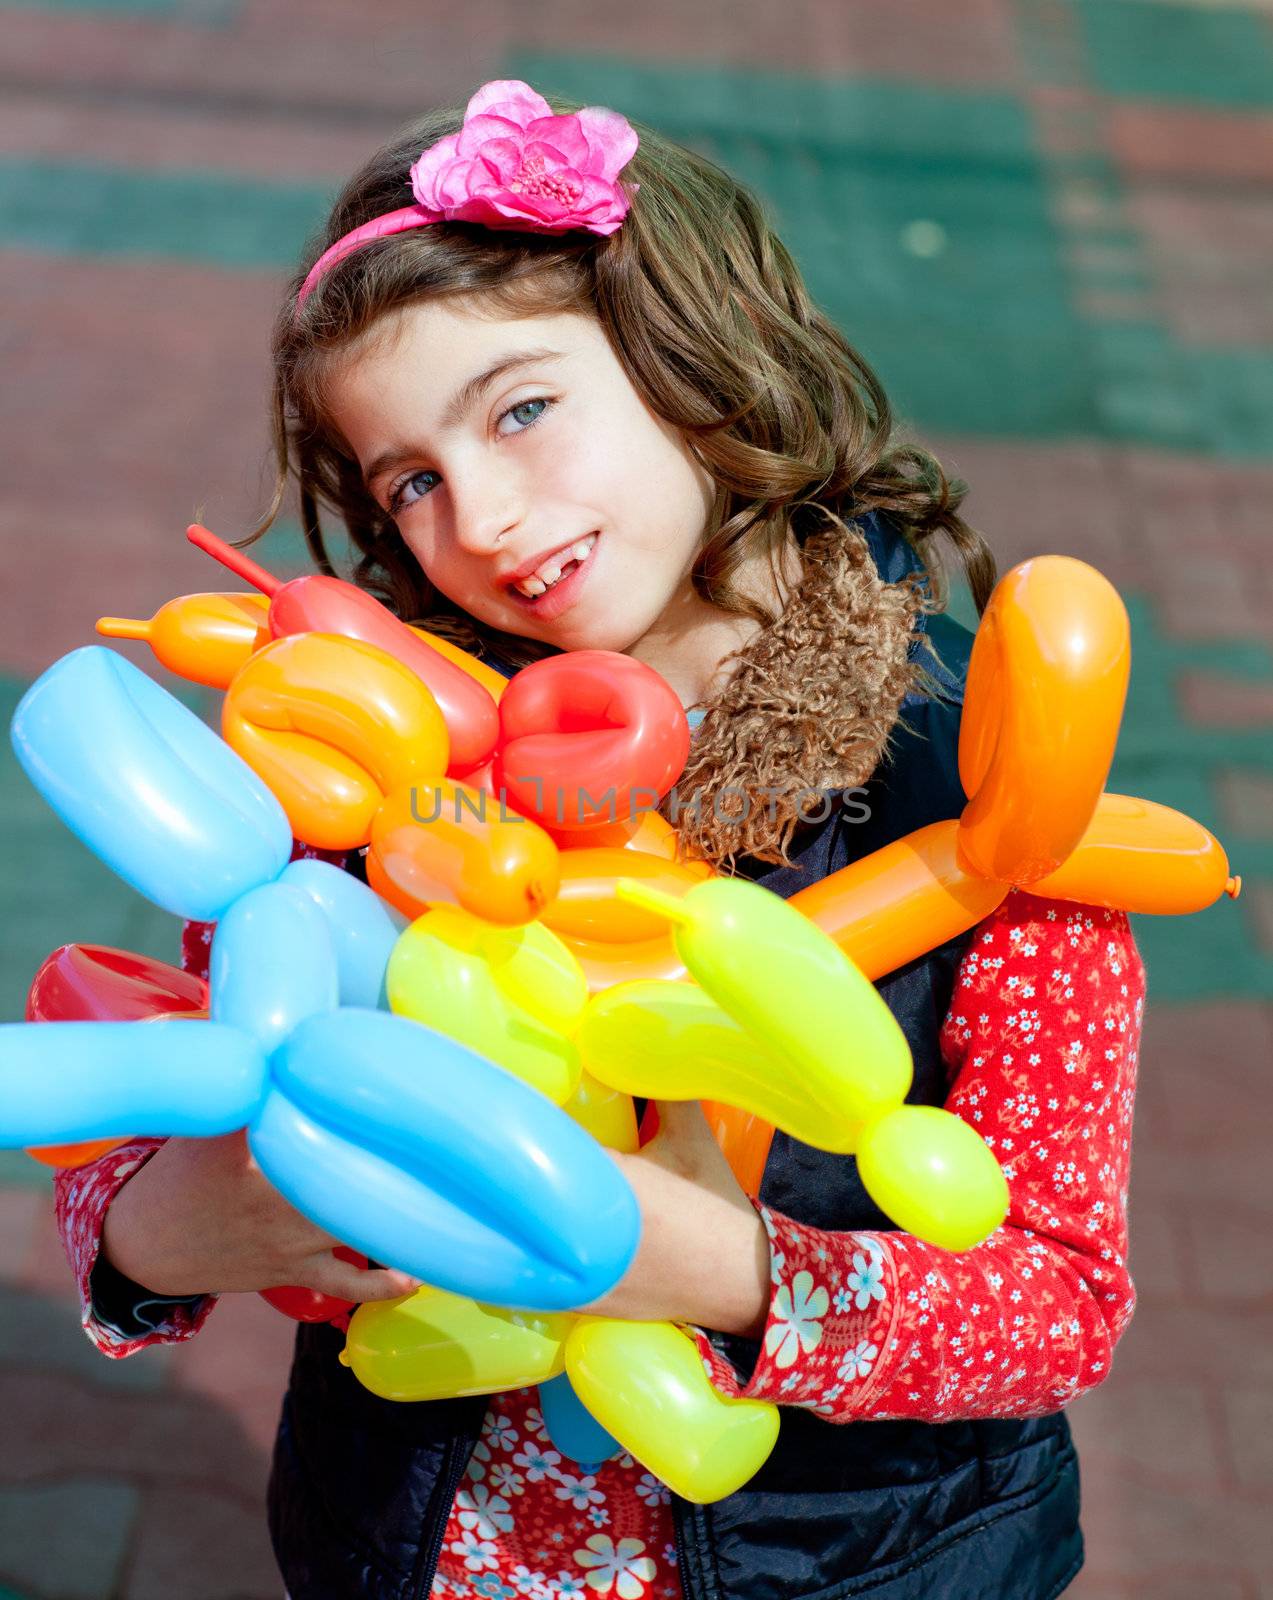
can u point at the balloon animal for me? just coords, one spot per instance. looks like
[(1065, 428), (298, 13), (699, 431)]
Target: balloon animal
[(557, 938)]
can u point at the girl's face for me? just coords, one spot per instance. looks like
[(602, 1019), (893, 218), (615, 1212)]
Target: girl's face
[(505, 449)]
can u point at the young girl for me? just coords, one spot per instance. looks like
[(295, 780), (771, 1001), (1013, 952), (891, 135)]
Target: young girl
[(576, 396)]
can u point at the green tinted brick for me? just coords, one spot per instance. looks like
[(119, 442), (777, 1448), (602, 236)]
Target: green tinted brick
[(684, 102), (1221, 55), (210, 217), (200, 13), (1234, 390)]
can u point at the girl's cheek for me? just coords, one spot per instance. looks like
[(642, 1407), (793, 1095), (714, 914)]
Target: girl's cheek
[(423, 551)]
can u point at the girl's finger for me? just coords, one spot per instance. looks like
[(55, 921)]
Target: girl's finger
[(329, 1275)]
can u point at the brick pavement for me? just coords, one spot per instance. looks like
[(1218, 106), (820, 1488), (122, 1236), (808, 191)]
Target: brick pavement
[(1046, 222)]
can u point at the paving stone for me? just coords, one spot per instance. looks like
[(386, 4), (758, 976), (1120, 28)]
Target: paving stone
[(82, 208), (1128, 1428), (239, 1364), (1178, 53), (1248, 1424), (19, 1210), (1177, 1586), (1167, 1178), (1226, 702), (196, 13), (1246, 803), (18, 1171), (141, 137), (201, 1546), (67, 1539), (1167, 1340), (1186, 143), (410, 59), (40, 1333), (1151, 1535), (159, 460), (1234, 393), (1260, 909), (156, 1439), (1210, 1064), (1228, 1246), (265, 62), (1029, 499), (1208, 253), (1156, 1255), (1201, 598)]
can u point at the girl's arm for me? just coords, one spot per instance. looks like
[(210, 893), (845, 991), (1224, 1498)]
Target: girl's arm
[(1041, 1041), (119, 1316)]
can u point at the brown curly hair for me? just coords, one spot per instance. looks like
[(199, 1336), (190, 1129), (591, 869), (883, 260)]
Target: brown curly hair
[(709, 317)]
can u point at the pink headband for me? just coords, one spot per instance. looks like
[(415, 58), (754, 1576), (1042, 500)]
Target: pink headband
[(513, 165)]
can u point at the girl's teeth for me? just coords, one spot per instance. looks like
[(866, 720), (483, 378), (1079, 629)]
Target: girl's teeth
[(549, 575)]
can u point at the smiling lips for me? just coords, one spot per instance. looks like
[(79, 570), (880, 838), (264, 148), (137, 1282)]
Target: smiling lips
[(554, 568)]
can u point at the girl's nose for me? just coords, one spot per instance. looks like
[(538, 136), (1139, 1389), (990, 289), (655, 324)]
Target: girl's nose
[(487, 507)]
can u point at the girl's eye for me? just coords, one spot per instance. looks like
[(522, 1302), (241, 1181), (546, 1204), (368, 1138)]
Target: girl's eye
[(527, 413), (398, 497)]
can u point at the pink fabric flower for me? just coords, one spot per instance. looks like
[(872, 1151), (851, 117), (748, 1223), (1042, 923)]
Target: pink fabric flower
[(515, 165)]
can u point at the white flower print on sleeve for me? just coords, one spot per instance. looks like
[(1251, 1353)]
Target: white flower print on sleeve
[(858, 1362), (507, 1480), (477, 1554), (538, 1463), (619, 1569), (499, 1431), (485, 1513), (1040, 1044), (652, 1491), (581, 1492), (796, 1323), (866, 1281)]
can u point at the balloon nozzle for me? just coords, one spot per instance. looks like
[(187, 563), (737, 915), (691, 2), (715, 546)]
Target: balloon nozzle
[(122, 628), (241, 565), (1233, 887)]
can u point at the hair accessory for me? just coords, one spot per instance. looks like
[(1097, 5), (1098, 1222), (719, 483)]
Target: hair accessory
[(513, 165)]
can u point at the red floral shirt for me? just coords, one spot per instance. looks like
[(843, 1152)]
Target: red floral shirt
[(1041, 1044)]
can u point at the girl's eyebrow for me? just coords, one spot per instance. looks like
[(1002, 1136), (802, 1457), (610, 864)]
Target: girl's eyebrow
[(458, 407)]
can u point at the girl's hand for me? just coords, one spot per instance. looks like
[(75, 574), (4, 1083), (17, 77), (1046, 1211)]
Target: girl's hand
[(201, 1218), (704, 1254)]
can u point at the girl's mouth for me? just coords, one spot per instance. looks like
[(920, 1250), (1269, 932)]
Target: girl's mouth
[(564, 589)]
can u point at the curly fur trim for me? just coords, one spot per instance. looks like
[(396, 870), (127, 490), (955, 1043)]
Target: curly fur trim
[(808, 709)]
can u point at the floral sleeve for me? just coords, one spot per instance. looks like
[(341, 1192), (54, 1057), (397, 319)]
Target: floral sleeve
[(1041, 1042), (118, 1316)]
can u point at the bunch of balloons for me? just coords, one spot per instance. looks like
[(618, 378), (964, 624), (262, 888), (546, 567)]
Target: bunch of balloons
[(555, 937)]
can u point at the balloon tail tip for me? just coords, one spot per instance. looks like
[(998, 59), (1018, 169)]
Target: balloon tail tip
[(122, 628)]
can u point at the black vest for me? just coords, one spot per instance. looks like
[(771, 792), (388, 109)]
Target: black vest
[(361, 1488)]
